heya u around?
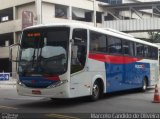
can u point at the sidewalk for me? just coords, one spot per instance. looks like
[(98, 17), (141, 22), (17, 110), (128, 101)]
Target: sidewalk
[(9, 83)]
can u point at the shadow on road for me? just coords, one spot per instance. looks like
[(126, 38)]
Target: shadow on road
[(127, 92), (55, 103), (47, 103)]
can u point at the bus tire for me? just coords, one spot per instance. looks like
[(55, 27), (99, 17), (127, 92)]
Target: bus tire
[(144, 85), (96, 91)]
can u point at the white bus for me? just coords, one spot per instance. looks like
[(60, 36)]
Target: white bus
[(73, 60)]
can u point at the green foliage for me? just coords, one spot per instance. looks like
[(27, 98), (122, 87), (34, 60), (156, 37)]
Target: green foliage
[(154, 37)]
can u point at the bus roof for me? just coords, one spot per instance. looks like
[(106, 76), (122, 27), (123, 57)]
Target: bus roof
[(106, 31)]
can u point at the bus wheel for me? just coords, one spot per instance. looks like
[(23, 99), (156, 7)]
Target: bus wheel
[(144, 85), (95, 91)]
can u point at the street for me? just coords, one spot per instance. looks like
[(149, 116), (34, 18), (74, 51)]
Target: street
[(132, 101)]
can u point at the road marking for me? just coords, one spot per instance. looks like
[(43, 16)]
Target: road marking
[(7, 107), (61, 116)]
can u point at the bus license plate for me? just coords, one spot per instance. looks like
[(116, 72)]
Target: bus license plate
[(36, 92)]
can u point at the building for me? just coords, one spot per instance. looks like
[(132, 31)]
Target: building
[(18, 14)]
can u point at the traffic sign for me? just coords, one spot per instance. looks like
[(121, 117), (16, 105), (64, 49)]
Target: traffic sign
[(4, 76)]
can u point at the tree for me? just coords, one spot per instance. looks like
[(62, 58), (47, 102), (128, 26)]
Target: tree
[(154, 37)]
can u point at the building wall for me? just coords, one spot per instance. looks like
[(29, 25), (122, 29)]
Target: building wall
[(48, 12), (10, 3), (25, 7), (87, 4)]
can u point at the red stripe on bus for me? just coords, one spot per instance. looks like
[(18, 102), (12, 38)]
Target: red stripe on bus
[(113, 59)]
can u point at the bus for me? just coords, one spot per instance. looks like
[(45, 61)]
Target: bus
[(68, 60)]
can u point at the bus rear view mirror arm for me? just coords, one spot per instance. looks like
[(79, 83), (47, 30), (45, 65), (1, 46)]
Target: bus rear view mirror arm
[(12, 52)]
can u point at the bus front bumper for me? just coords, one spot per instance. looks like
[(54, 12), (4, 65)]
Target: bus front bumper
[(60, 91)]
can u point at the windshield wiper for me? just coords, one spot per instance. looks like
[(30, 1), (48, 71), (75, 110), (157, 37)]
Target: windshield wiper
[(33, 57)]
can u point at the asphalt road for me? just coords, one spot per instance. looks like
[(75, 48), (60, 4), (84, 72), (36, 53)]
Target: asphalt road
[(12, 105)]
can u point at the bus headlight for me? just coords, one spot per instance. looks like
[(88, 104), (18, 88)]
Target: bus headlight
[(20, 83), (58, 84)]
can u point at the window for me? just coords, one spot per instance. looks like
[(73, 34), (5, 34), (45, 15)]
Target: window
[(98, 42), (6, 18), (82, 14), (61, 11), (6, 39), (6, 14), (154, 53), (114, 45), (48, 46), (99, 17), (128, 48), (139, 50), (79, 50), (146, 51)]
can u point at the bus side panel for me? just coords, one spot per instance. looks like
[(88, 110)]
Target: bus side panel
[(126, 76), (114, 76), (135, 73), (80, 84)]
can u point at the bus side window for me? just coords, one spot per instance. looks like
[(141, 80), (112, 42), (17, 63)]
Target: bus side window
[(139, 50), (128, 48), (98, 42), (114, 45), (79, 50)]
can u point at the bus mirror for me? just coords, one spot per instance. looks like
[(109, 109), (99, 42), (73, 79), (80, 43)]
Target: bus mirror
[(13, 52), (72, 41)]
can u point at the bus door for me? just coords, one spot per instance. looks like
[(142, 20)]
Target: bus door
[(79, 75)]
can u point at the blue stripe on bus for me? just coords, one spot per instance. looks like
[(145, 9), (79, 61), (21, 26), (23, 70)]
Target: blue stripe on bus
[(37, 81), (126, 76)]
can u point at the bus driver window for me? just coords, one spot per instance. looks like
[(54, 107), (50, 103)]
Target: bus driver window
[(79, 50)]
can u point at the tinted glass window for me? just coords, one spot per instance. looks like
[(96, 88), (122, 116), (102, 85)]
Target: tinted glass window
[(146, 51), (79, 50), (154, 53), (128, 48), (98, 42), (61, 11), (139, 50), (114, 45), (45, 48)]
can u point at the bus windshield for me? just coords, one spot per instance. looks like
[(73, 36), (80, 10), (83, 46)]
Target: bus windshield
[(44, 51)]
